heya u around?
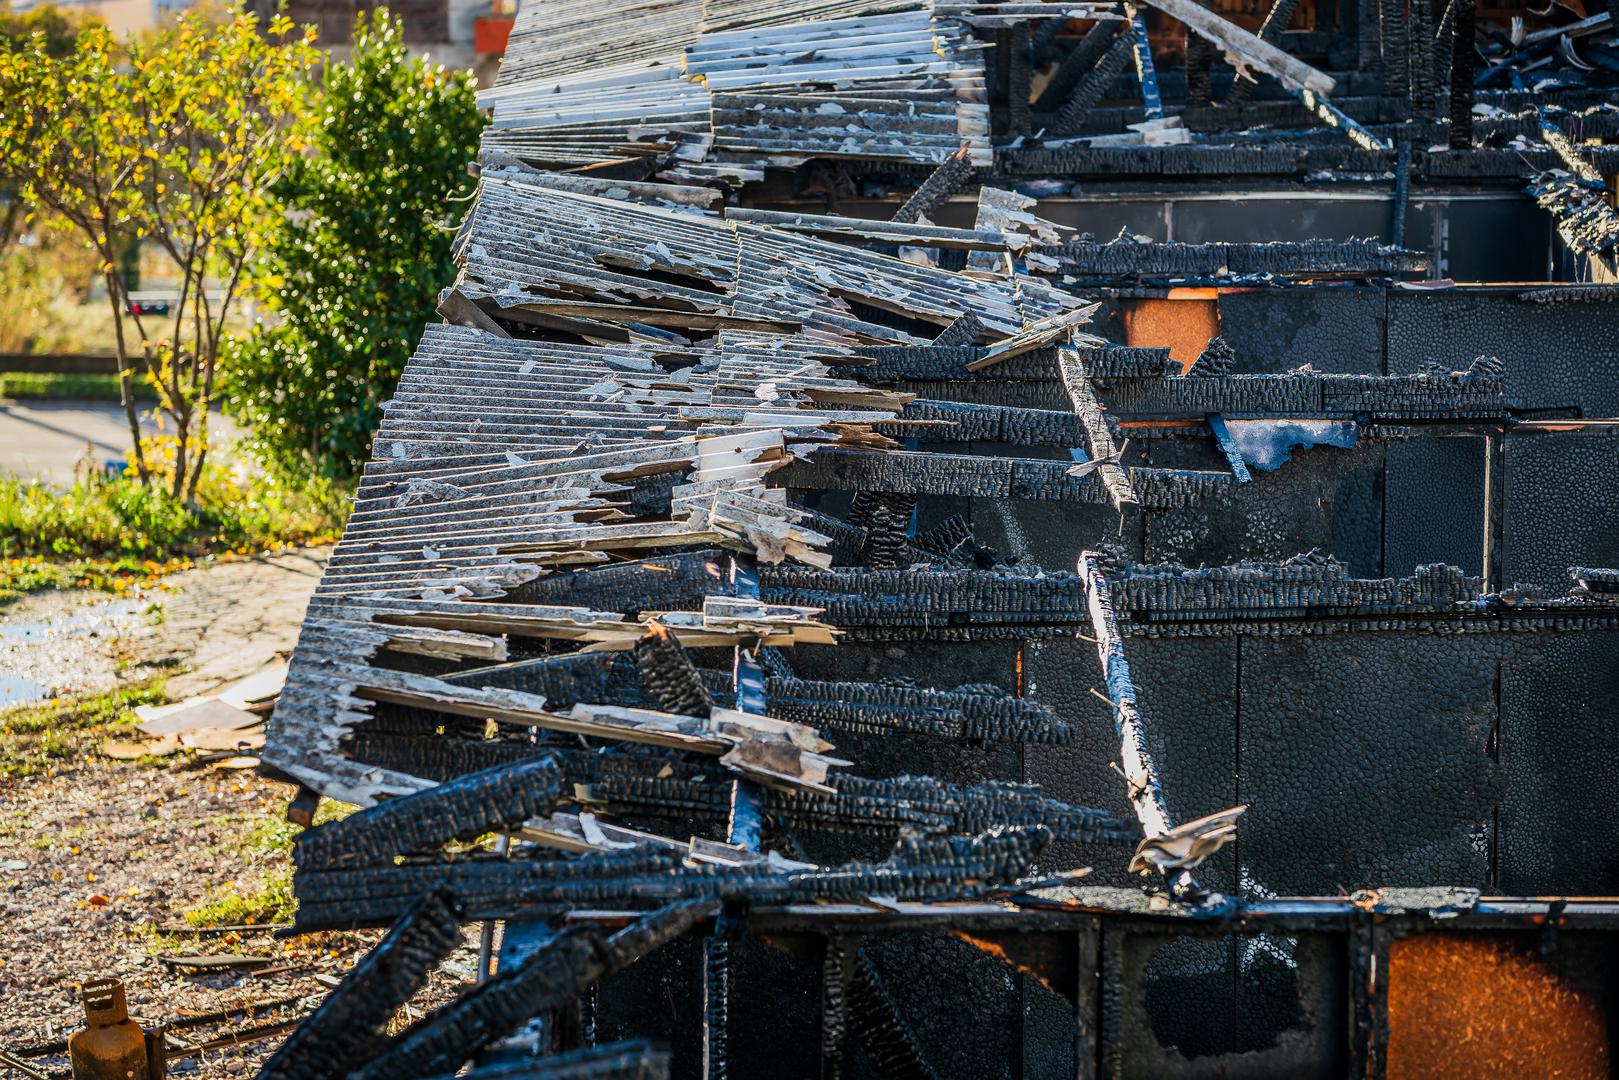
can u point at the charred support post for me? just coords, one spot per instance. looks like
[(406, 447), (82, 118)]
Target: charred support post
[(1141, 50), (1135, 759), (1462, 56), (1074, 65), (837, 965), (1018, 78)]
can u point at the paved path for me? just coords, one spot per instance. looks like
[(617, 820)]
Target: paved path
[(45, 439), (221, 622)]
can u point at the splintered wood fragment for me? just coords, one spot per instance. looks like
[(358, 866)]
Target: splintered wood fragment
[(1243, 49), (1228, 447), (1038, 335), (1098, 437), (887, 232)]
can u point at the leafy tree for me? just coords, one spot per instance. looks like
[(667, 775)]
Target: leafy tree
[(58, 30), (174, 138), (359, 269)]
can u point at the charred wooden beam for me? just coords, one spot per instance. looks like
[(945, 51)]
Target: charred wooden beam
[(443, 1040), (499, 797), (1075, 64), (349, 1026), (921, 867), (669, 675), (950, 177), (1071, 117)]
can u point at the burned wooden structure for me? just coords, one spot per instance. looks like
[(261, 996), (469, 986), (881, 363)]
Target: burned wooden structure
[(897, 623)]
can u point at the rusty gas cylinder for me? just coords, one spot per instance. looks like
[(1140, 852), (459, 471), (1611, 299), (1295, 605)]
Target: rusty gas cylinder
[(112, 1046)]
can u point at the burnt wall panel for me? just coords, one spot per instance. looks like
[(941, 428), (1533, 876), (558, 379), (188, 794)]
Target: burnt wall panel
[(1364, 762), (1333, 329), (1556, 354), (1560, 753), (1187, 690), (1324, 499), (1562, 507), (1434, 492), (1060, 672)]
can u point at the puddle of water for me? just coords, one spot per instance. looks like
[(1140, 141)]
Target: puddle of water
[(69, 626), (16, 690)]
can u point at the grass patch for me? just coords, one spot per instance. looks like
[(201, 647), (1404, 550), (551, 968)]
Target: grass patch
[(121, 576), (271, 902), (67, 386), (35, 739), (119, 518), (268, 844)]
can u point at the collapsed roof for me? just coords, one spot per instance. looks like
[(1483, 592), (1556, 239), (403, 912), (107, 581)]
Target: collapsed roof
[(767, 573)]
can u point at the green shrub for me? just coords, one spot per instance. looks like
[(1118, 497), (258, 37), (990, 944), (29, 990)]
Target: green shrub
[(358, 272), (21, 385), (235, 510)]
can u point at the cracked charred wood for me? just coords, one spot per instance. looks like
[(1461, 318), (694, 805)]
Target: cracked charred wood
[(349, 1026), (862, 597), (499, 797), (922, 867), (978, 714), (886, 519), (889, 1042), (1071, 117), (1075, 64), (863, 805), (953, 421), (1463, 55), (974, 476), (669, 675), (965, 331), (950, 177), (443, 1040), (629, 1060)]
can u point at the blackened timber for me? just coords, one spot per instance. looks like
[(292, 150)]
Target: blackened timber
[(634, 1059), (955, 421), (950, 177), (888, 1040), (1071, 118), (669, 675), (574, 958), (1463, 53), (348, 1028), (928, 598), (1074, 65), (971, 476), (500, 797), (967, 713), (672, 582), (921, 867), (964, 331)]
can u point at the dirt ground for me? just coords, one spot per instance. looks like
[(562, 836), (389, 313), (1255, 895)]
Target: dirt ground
[(101, 861)]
